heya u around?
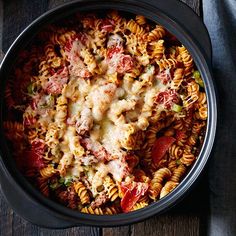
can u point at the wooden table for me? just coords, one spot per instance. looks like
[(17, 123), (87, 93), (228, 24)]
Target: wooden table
[(187, 219)]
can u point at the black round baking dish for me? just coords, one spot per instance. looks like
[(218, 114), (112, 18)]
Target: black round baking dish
[(182, 22)]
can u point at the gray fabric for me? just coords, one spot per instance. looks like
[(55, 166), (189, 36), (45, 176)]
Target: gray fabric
[(220, 19)]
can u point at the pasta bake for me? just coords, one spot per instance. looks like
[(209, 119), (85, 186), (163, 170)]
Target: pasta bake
[(106, 114)]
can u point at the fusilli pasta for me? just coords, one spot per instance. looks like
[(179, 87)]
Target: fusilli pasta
[(105, 115)]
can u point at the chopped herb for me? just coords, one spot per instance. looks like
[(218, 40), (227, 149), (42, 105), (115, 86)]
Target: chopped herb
[(68, 181), (45, 105), (196, 74), (55, 185), (31, 89), (49, 102), (198, 79), (61, 180), (176, 108), (178, 162), (99, 58), (200, 82), (51, 99), (150, 68)]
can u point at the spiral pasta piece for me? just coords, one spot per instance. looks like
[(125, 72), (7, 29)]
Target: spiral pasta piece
[(152, 131), (197, 126), (156, 34), (114, 15), (178, 125), (203, 112), (44, 70), (32, 135), (13, 130), (192, 140), (132, 44), (51, 56), (82, 192), (156, 182), (47, 172), (165, 64), (140, 20), (111, 210), (178, 78), (89, 60), (90, 210), (61, 113), (202, 98), (178, 173), (193, 94), (61, 37), (168, 187), (172, 165), (175, 151), (157, 49), (135, 28), (187, 60), (13, 126), (187, 158), (139, 205), (111, 189)]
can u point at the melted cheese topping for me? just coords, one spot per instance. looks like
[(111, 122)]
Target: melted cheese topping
[(102, 117), (111, 115)]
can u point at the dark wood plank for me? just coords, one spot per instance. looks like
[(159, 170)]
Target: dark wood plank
[(119, 231), (17, 15), (55, 3), (22, 227), (6, 217), (174, 225), (6, 214)]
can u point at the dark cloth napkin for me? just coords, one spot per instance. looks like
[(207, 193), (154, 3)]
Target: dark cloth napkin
[(220, 19)]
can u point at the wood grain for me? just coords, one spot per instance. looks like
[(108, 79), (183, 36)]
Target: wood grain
[(55, 3), (118, 231), (6, 217), (17, 15), (168, 225)]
